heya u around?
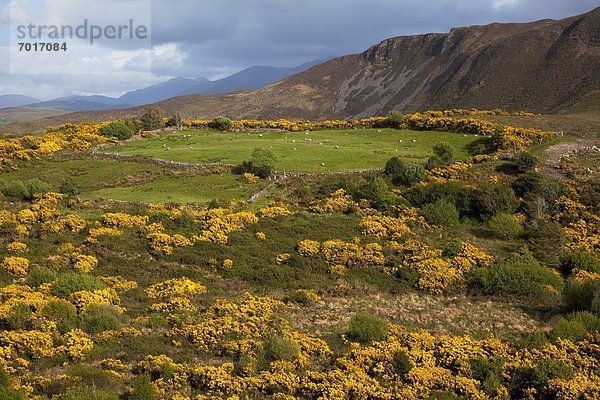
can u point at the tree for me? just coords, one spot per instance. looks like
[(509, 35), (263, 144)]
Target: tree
[(152, 118), (402, 173), (261, 164), (175, 120)]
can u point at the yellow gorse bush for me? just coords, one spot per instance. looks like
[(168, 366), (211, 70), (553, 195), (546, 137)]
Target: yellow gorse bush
[(85, 263), (17, 266), (16, 248), (175, 287)]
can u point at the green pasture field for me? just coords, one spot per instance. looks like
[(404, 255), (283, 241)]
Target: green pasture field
[(319, 151), (134, 181)]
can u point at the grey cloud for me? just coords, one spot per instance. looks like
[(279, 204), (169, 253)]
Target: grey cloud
[(223, 36)]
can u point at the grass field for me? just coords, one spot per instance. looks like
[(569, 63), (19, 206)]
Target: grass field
[(298, 152), (134, 181), (196, 189)]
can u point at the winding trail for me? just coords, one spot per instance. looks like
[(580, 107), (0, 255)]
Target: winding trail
[(552, 156)]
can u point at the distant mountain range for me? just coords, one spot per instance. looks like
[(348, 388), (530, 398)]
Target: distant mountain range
[(249, 79), (15, 100)]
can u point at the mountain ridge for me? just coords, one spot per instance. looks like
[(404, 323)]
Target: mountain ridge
[(546, 66)]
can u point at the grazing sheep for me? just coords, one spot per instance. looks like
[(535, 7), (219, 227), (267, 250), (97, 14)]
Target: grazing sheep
[(414, 140)]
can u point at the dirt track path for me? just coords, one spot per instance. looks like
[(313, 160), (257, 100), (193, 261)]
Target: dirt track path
[(552, 155)]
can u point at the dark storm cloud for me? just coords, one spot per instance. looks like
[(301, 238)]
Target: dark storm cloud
[(214, 38), (236, 33)]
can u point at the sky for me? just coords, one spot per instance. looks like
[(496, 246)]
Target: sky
[(215, 38)]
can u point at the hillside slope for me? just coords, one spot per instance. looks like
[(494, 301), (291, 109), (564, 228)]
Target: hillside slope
[(545, 66)]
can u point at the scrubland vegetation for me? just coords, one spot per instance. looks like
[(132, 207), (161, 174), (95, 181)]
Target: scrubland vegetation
[(452, 269)]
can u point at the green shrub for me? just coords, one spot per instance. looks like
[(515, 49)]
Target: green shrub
[(378, 193), (581, 260), (575, 326), (525, 161), (39, 275), (505, 226), (7, 392), (20, 317), (394, 120), (455, 192), (36, 186), (222, 124), (71, 282), (403, 174), (68, 188), (493, 199), (15, 189), (143, 389), (24, 190), (433, 162), (453, 248), (545, 239), (401, 362), (276, 348), (519, 274), (101, 317), (487, 372), (366, 328), (63, 313), (583, 296), (444, 151), (157, 321), (174, 120), (117, 129), (87, 393), (533, 184), (538, 376), (444, 395), (442, 213), (303, 296)]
